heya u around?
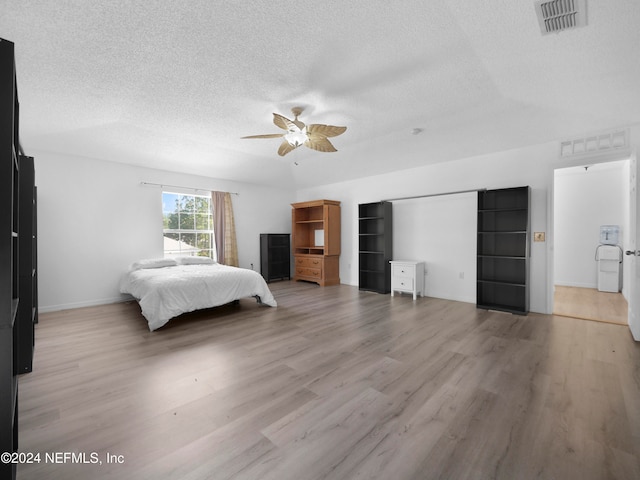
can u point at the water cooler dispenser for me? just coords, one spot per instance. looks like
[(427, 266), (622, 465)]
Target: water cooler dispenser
[(609, 259)]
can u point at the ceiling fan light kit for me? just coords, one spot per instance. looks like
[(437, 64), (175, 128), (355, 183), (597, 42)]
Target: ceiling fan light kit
[(296, 139), (314, 136)]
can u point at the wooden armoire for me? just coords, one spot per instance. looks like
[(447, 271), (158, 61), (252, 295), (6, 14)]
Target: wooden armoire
[(315, 241)]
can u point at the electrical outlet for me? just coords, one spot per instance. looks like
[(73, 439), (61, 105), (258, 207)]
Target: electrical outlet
[(461, 275)]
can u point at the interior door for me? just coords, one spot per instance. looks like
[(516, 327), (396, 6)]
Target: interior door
[(633, 252)]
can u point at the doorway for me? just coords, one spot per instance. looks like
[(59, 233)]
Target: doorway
[(586, 197)]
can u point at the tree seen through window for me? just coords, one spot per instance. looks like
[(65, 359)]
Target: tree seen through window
[(187, 225)]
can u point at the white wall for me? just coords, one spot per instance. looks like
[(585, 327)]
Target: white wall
[(441, 231), (415, 232), (95, 218), (584, 200), (533, 166)]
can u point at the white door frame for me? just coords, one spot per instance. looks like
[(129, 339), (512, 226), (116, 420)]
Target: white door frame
[(577, 162), (634, 273)]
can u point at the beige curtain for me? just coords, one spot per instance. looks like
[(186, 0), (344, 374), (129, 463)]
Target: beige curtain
[(224, 228)]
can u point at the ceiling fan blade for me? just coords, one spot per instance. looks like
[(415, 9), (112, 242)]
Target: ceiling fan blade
[(319, 143), (284, 123), (268, 135), (285, 147), (325, 130)]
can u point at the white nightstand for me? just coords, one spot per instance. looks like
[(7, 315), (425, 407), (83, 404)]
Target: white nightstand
[(407, 276)]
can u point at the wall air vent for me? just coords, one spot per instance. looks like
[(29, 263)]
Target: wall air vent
[(555, 16), (595, 144)]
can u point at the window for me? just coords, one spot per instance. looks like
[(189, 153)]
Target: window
[(187, 225)]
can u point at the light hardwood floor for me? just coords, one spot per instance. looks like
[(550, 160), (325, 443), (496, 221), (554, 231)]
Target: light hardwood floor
[(334, 383), (590, 304)]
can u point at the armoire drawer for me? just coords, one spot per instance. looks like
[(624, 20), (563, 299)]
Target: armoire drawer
[(312, 262), (306, 272), (323, 270)]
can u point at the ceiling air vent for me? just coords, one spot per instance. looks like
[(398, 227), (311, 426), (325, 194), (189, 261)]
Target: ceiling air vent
[(557, 15), (595, 144)]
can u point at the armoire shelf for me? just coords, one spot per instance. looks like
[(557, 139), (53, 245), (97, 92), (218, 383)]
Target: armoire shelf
[(503, 250), (375, 239)]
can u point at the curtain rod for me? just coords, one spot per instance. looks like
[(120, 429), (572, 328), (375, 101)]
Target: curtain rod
[(178, 186), (435, 195)]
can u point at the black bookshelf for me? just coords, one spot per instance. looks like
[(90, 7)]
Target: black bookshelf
[(9, 238), (28, 276), (375, 239), (503, 250)]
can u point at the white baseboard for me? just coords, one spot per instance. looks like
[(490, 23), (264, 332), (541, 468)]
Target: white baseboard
[(560, 283), (634, 326), (454, 298), (89, 303)]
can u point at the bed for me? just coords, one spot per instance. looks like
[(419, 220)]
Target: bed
[(168, 287)]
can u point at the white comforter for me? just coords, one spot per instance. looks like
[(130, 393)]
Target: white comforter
[(164, 293)]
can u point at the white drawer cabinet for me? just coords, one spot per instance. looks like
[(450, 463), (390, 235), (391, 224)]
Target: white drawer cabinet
[(407, 276)]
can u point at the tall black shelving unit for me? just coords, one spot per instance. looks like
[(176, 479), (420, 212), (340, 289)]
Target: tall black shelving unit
[(18, 258), (28, 277), (503, 249), (9, 300), (275, 256), (375, 240)]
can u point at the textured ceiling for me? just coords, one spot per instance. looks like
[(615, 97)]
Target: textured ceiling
[(174, 85)]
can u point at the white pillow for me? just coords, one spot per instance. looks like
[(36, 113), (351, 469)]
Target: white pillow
[(194, 260), (153, 263)]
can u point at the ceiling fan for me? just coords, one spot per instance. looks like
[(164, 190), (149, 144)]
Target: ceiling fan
[(314, 136)]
